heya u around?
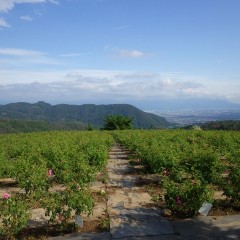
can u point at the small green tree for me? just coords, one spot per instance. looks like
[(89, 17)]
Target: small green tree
[(117, 122), (89, 127)]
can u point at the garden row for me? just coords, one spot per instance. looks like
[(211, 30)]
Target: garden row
[(37, 161), (193, 164)]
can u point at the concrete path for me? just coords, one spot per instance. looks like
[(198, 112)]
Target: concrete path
[(131, 218), (128, 204)]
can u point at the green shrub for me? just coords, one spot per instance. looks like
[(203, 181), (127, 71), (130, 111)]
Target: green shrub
[(185, 198), (231, 184), (14, 214)]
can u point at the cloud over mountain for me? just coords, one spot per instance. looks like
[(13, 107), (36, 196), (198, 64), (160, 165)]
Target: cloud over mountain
[(103, 87)]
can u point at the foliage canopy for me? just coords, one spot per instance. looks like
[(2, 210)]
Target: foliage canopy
[(117, 122)]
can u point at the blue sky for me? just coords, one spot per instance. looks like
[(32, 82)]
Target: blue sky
[(119, 51)]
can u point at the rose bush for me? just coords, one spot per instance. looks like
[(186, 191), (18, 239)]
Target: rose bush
[(185, 198)]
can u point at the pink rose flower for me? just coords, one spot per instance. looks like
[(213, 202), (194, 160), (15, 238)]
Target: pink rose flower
[(6, 195), (50, 172)]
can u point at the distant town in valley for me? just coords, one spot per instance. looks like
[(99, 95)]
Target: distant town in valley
[(190, 117)]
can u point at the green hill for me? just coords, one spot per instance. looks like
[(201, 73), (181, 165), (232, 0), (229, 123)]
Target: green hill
[(18, 125), (233, 125), (228, 125), (84, 114)]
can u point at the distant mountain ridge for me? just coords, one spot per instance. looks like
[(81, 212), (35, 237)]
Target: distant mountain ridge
[(86, 114)]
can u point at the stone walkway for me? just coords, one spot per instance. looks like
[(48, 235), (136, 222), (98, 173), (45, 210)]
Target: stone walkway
[(131, 218), (127, 204)]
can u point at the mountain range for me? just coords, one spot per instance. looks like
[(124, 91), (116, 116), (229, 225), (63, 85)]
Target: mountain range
[(88, 114)]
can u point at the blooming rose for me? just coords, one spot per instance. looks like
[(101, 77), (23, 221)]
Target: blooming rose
[(50, 172), (6, 195)]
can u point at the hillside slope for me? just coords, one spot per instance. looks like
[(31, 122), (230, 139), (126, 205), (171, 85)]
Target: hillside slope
[(87, 113), (20, 126), (229, 125)]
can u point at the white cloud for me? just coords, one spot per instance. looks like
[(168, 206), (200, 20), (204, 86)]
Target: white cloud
[(22, 77), (20, 52), (16, 58), (76, 54), (3, 23), (84, 86), (137, 76), (7, 5), (71, 55), (130, 53), (26, 18), (100, 86), (54, 1)]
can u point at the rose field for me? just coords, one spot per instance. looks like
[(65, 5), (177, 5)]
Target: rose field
[(192, 165), (195, 166)]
